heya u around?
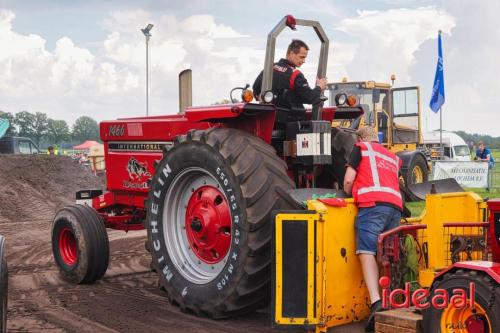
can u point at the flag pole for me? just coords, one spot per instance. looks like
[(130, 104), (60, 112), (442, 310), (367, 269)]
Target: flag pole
[(441, 132), (437, 97)]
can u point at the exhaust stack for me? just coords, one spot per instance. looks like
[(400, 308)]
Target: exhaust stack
[(185, 90)]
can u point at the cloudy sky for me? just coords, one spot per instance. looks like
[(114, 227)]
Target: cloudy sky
[(73, 58)]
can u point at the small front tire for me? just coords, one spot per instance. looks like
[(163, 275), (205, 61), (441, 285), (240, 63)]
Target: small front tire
[(80, 244)]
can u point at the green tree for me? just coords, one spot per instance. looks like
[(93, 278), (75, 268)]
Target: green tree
[(24, 121), (10, 117), (489, 141), (40, 126), (85, 128), (57, 131)]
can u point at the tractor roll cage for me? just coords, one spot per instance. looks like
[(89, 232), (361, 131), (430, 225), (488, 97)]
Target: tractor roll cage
[(290, 21)]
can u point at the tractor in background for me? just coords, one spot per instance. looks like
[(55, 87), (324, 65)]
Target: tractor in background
[(395, 113)]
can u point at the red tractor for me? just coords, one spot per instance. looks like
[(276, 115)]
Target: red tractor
[(204, 183)]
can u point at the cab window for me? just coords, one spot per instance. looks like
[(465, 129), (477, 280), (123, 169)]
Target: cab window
[(462, 150), (447, 152), (405, 115), (24, 147), (405, 102)]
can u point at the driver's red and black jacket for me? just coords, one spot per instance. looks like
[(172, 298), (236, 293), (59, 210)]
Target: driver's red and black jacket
[(289, 86)]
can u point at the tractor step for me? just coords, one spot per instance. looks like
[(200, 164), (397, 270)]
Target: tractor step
[(399, 320)]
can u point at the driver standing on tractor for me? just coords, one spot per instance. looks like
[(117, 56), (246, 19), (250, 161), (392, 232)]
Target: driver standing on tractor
[(289, 85), (372, 177)]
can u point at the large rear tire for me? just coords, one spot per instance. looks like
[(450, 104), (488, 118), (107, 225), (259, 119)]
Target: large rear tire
[(3, 286), (484, 318), (209, 220), (80, 244)]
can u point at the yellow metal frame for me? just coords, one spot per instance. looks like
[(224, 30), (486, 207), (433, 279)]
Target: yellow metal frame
[(439, 209), (341, 295)]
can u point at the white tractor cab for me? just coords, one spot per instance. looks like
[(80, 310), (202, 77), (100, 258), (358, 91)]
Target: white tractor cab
[(454, 147)]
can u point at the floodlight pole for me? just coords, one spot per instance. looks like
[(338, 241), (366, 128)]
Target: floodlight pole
[(146, 31), (147, 75)]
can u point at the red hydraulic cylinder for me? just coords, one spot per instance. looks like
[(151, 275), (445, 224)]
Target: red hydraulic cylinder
[(494, 208)]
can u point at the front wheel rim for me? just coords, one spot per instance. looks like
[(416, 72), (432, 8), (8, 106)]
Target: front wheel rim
[(417, 175), (208, 224), (465, 320), (197, 223), (68, 246)]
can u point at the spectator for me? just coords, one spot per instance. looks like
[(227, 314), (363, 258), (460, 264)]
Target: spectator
[(484, 154), (50, 150)]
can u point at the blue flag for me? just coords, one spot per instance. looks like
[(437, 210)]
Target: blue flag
[(437, 98)]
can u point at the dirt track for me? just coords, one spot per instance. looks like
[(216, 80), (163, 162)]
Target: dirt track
[(125, 300)]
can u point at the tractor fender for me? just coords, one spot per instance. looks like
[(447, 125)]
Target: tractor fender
[(256, 119), (407, 157), (492, 269), (221, 113)]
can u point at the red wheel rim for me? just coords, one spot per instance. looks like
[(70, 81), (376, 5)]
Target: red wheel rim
[(67, 246), (208, 224), (465, 320), (476, 324)]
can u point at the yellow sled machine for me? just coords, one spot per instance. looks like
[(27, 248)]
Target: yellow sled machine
[(318, 282)]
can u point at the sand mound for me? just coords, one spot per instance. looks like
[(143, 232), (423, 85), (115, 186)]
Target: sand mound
[(34, 187)]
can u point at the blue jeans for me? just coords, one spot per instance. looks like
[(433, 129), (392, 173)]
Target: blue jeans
[(370, 223)]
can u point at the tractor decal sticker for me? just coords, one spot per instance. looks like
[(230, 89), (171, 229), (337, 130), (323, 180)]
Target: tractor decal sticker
[(116, 130), (305, 143), (139, 146), (138, 174), (134, 129)]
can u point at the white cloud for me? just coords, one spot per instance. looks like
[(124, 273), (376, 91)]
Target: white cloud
[(389, 39), (127, 22), (205, 25), (108, 82), (71, 63)]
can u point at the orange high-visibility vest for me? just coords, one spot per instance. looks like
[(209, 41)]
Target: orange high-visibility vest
[(377, 176)]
